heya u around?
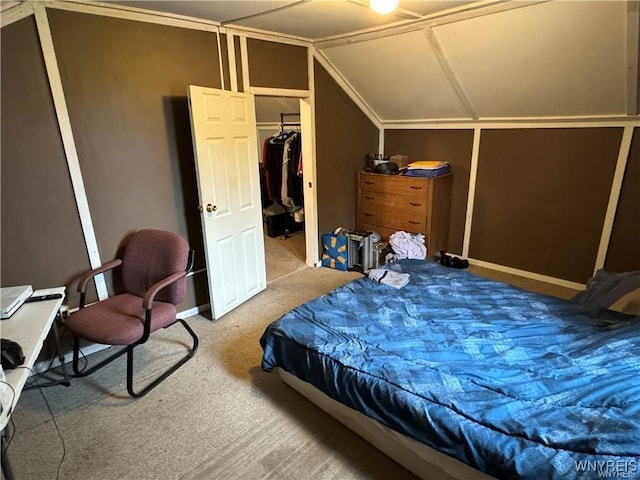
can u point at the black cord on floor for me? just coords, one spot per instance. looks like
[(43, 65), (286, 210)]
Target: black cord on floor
[(53, 417), (10, 408)]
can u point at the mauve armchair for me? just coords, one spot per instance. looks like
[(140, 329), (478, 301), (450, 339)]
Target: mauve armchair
[(153, 271)]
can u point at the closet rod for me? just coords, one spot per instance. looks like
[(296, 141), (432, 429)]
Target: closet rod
[(285, 114)]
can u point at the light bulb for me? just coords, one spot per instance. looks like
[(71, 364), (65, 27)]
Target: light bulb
[(383, 6)]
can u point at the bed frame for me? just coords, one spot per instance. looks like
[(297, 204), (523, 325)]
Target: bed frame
[(421, 460)]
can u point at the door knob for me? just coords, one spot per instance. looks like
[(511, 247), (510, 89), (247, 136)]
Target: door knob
[(210, 208)]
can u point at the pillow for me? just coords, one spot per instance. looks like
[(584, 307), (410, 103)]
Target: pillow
[(628, 303), (615, 291)]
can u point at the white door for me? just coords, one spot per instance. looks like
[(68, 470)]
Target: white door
[(223, 127)]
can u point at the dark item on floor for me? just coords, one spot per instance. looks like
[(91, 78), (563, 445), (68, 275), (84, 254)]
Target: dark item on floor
[(279, 225), (451, 261), (275, 224)]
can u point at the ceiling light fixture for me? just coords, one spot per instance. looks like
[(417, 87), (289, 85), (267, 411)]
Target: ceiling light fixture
[(383, 6)]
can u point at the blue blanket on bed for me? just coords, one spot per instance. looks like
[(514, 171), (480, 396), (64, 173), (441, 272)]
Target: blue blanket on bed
[(513, 383)]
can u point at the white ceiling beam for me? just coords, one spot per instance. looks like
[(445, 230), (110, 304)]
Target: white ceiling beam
[(138, 14), (464, 12), (265, 12), (268, 36), (449, 72), (13, 13)]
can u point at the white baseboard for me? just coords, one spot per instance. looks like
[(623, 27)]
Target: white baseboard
[(523, 273)]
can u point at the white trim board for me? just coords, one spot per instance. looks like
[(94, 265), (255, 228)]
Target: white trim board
[(511, 123), (15, 13), (614, 196), (133, 13), (475, 155), (526, 274), (279, 92), (233, 71), (68, 141), (348, 88)]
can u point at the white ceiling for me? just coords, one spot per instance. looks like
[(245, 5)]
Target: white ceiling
[(309, 19), (459, 60)]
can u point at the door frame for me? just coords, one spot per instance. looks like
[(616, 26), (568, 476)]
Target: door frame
[(307, 127)]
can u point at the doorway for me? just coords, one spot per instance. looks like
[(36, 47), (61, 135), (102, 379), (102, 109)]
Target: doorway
[(278, 119)]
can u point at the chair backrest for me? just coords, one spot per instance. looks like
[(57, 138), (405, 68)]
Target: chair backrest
[(151, 255)]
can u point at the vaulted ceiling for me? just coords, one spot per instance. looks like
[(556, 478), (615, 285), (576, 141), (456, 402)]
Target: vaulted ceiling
[(436, 61)]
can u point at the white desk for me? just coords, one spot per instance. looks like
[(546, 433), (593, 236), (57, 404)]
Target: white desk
[(29, 326)]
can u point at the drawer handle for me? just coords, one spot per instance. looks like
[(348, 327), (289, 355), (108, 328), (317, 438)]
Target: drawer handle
[(369, 183), (369, 198), (414, 223), (368, 214), (415, 187), (414, 204)]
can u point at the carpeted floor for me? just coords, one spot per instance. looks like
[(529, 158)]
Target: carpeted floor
[(218, 417), (284, 256)]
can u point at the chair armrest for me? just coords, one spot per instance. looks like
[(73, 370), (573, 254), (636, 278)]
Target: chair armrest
[(84, 279), (156, 287)]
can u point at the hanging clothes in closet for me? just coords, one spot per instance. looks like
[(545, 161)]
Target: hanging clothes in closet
[(281, 177)]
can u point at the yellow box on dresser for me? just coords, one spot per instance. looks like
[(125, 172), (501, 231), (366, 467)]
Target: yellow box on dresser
[(390, 203)]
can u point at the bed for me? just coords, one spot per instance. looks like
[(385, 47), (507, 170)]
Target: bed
[(468, 377)]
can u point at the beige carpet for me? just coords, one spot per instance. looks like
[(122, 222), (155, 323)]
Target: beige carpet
[(218, 417), (284, 256)]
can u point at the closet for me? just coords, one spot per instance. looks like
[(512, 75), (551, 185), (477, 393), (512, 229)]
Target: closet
[(281, 178)]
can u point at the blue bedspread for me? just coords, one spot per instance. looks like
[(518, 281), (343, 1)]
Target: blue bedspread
[(515, 384)]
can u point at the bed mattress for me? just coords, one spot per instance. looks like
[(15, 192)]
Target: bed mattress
[(512, 383)]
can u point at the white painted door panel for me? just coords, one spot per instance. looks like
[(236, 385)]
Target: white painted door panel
[(225, 146)]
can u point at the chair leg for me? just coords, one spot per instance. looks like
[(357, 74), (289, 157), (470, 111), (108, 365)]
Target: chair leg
[(89, 371), (164, 375)]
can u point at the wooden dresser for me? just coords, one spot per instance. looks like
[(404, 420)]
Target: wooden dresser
[(390, 203)]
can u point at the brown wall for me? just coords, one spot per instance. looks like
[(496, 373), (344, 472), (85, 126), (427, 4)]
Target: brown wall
[(277, 65), (42, 242), (541, 197), (624, 246), (344, 136), (453, 146)]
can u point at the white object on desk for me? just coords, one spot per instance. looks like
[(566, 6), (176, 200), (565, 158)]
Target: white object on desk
[(12, 298), (29, 327)]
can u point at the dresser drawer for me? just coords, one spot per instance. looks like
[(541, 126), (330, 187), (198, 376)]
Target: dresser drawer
[(390, 203), (393, 184), (395, 219)]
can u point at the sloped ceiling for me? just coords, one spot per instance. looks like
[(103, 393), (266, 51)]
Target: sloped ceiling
[(552, 59), (458, 60)]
